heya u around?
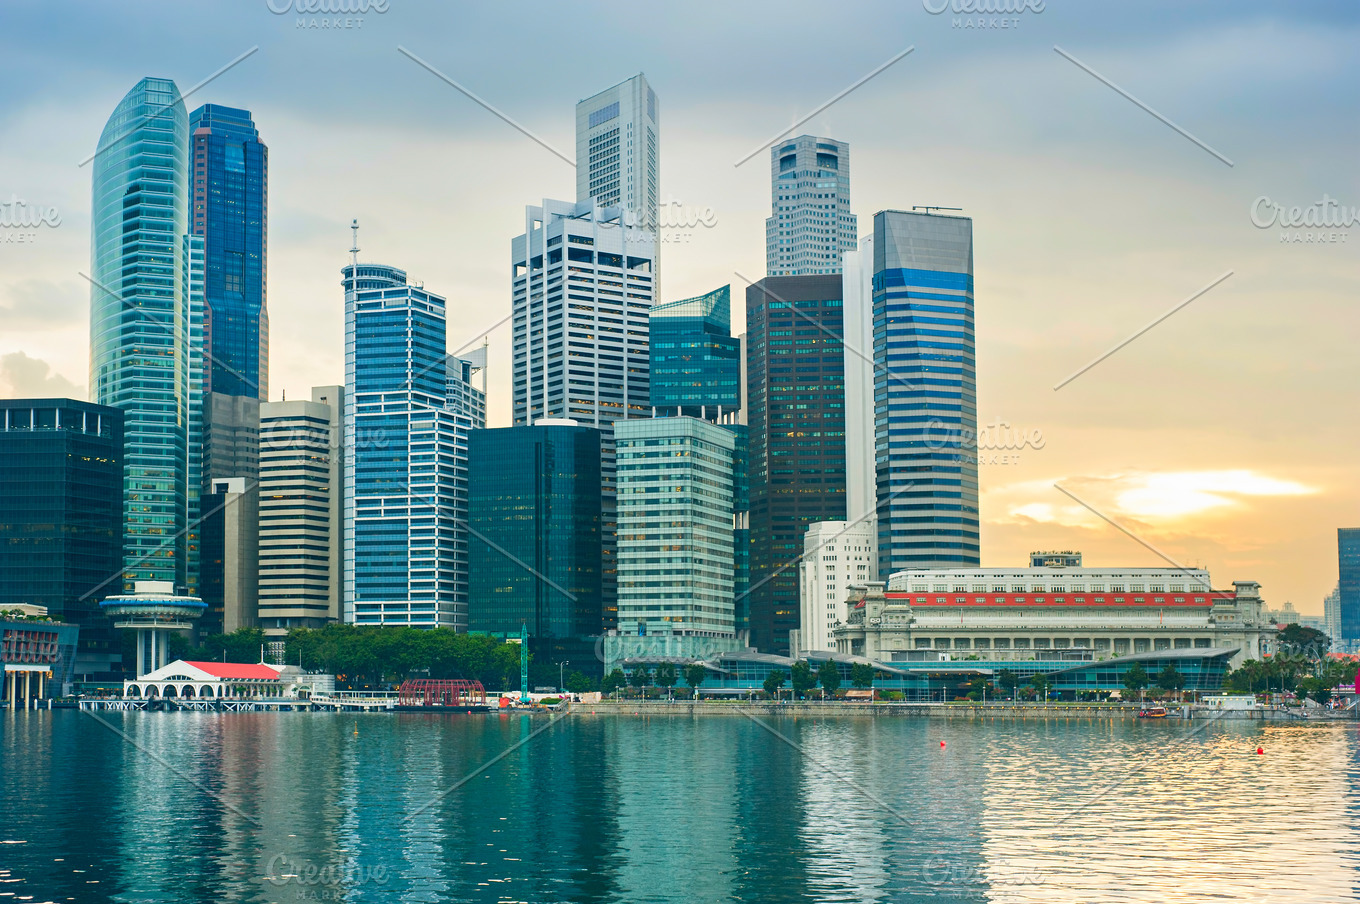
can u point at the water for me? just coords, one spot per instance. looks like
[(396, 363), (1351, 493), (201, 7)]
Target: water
[(279, 807)]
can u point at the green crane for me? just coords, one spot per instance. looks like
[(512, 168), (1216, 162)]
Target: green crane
[(524, 664)]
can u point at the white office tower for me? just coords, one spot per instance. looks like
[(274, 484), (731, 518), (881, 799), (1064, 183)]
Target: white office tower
[(583, 286), (301, 485), (861, 487), (810, 225), (836, 554), (618, 151)]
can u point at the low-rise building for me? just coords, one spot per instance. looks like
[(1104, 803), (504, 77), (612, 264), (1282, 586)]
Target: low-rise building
[(1019, 614)]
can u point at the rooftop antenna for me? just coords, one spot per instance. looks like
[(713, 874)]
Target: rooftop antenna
[(354, 251), (486, 352), (926, 208)]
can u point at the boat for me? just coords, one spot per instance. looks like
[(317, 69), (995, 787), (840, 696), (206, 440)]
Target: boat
[(1152, 712)]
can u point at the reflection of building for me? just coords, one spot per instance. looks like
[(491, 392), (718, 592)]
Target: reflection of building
[(836, 555), (534, 537), (153, 610), (34, 651), (1348, 608), (301, 481), (811, 224), (795, 408), (140, 321), (61, 516), (1018, 614), (925, 387)]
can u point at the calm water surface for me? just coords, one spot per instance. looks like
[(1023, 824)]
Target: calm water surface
[(204, 807)]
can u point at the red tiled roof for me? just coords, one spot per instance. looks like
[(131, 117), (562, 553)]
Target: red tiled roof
[(236, 669), (1140, 600)]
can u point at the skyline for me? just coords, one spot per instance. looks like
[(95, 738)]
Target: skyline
[(1224, 482)]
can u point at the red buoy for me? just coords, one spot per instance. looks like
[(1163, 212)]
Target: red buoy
[(1260, 750), (942, 743)]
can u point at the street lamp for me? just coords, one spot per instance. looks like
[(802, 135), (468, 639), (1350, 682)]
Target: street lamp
[(561, 688)]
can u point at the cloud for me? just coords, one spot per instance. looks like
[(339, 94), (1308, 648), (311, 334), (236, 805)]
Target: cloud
[(41, 303), (22, 377), (1184, 493)]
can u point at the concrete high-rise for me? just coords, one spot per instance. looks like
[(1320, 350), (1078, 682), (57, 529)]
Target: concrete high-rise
[(405, 498), (618, 151), (301, 528), (810, 224), (836, 555), (925, 387), (140, 320), (229, 565), (795, 409), (582, 292)]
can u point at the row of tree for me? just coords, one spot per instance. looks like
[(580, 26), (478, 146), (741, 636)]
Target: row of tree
[(1297, 672)]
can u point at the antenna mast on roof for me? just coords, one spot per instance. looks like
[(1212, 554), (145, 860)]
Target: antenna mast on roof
[(354, 251)]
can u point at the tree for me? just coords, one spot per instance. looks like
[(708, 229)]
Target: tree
[(801, 678), (1170, 678), (1040, 683), (1008, 680), (1136, 678), (978, 688), (613, 681), (1309, 641), (695, 673), (641, 679), (829, 677), (666, 676), (862, 675), (773, 682), (578, 683)]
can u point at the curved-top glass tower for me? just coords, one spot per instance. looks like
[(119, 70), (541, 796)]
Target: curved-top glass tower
[(140, 319)]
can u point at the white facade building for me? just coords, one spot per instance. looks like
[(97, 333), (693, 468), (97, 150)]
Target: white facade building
[(1000, 613), (810, 225), (618, 151), (836, 556)]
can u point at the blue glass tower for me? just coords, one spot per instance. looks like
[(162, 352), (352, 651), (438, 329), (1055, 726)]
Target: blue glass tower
[(695, 360), (230, 188), (1348, 562), (140, 320), (925, 391), (405, 502)]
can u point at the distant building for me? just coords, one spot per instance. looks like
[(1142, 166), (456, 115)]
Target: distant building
[(925, 387), (618, 150), (1023, 613), (534, 551), (811, 225), (301, 527), (1331, 616), (61, 517), (140, 321), (675, 527), (37, 660), (1348, 565), (695, 359), (405, 499), (795, 408), (836, 555)]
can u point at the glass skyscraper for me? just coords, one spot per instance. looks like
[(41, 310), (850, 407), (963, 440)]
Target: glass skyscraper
[(810, 223), (405, 503), (140, 320), (230, 189), (534, 543), (695, 359), (675, 527), (61, 517), (1348, 590), (795, 376), (925, 391)]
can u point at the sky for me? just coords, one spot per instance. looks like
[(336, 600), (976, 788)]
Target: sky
[(1110, 154)]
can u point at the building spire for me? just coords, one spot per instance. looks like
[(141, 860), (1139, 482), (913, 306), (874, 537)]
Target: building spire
[(354, 251)]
